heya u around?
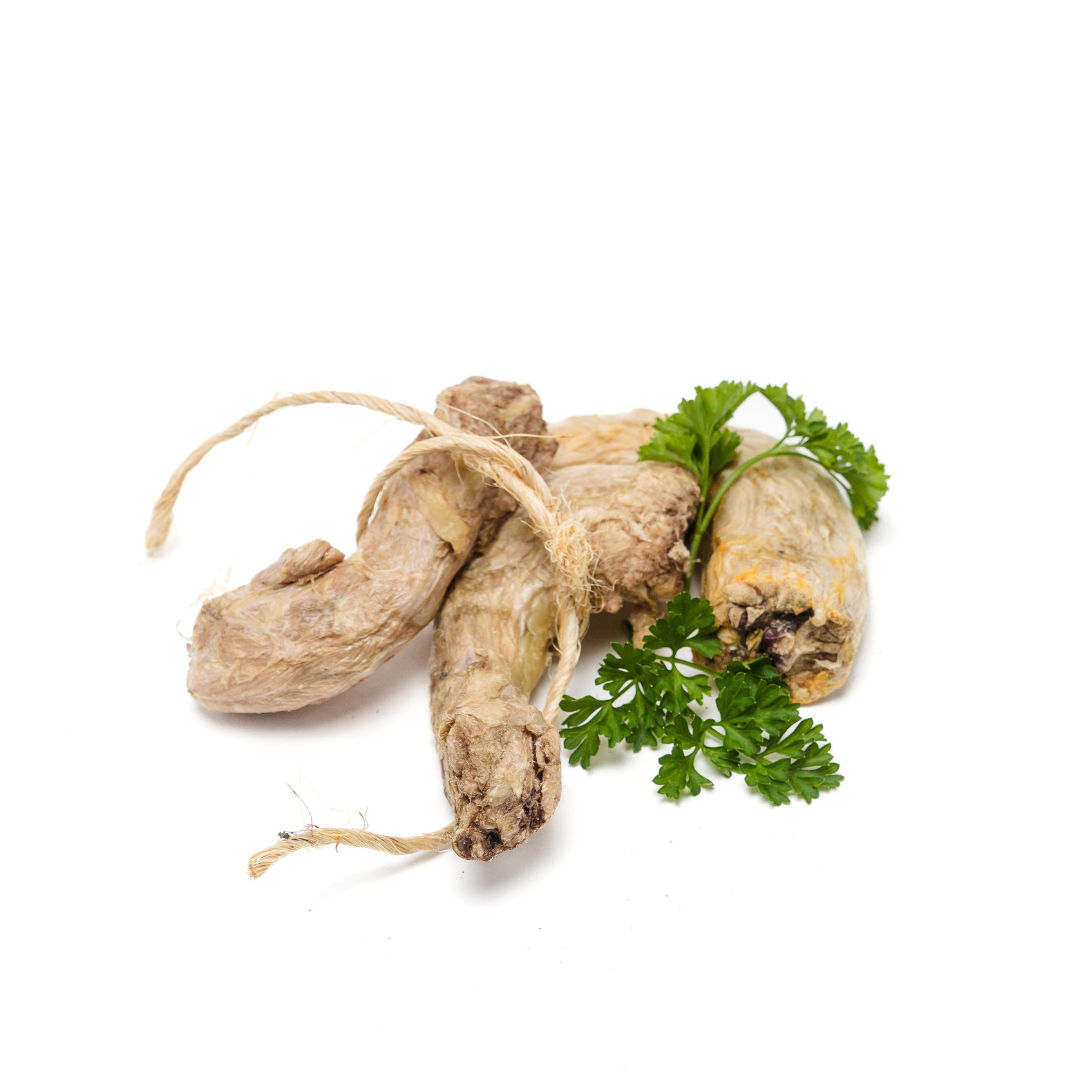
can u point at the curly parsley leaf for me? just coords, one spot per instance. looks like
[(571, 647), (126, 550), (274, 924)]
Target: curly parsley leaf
[(590, 719), (857, 468), (695, 435), (790, 408), (677, 774), (758, 732), (626, 666), (689, 624)]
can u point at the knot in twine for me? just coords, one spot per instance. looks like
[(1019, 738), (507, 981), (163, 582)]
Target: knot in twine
[(563, 535)]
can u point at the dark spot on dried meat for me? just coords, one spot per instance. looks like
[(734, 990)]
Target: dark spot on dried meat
[(777, 626), (531, 813), (463, 846)]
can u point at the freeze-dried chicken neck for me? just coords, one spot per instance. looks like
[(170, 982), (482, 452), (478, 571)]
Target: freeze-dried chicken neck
[(602, 440), (501, 764), (315, 623), (787, 576)]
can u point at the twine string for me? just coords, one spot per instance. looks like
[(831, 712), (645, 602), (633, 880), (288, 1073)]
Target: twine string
[(564, 539), (261, 861), (161, 518)]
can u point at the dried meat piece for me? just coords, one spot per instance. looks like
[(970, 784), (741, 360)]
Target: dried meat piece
[(787, 575), (602, 440), (315, 622), (501, 757)]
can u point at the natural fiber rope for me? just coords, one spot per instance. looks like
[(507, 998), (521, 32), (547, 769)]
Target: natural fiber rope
[(161, 518), (261, 861), (563, 537)]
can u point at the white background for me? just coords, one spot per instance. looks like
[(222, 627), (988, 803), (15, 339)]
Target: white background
[(204, 204)]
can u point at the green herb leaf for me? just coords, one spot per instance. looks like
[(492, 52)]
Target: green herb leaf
[(591, 719), (677, 774), (627, 666), (689, 623), (758, 731), (791, 408), (694, 436), (860, 473)]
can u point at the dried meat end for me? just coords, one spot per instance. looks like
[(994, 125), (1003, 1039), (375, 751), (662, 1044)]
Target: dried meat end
[(808, 648), (501, 758), (501, 762)]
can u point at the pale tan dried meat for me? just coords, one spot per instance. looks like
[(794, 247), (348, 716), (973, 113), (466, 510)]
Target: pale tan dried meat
[(316, 622), (602, 440), (787, 574), (501, 765)]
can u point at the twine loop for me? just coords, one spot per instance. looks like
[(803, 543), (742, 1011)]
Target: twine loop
[(563, 535)]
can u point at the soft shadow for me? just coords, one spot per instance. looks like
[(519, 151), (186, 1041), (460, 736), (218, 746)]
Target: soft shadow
[(364, 699), (516, 865), (882, 533), (402, 864), (519, 864), (604, 628)]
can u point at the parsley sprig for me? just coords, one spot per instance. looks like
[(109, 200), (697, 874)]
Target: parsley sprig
[(654, 696), (696, 437)]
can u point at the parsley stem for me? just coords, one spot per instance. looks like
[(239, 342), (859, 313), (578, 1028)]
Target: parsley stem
[(689, 663), (703, 518)]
